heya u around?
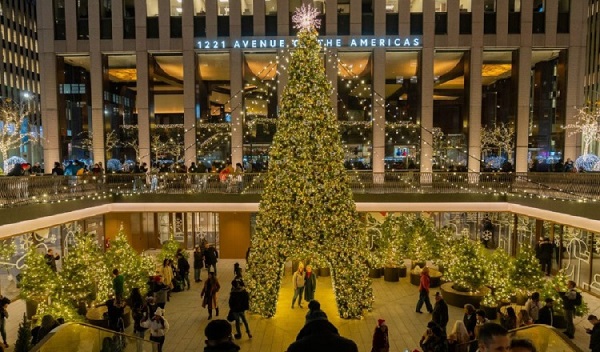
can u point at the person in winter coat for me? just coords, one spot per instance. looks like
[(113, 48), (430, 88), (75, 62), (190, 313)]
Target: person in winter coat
[(158, 326), (381, 342), (198, 263), (218, 337), (310, 284), (139, 310), (209, 292), (239, 302), (298, 282), (184, 269), (167, 273), (211, 257), (546, 315), (470, 320), (595, 333), (161, 292), (321, 336), (424, 291), (433, 340), (440, 312)]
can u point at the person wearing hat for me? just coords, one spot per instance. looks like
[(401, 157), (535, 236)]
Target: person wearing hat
[(440, 312), (381, 342), (314, 312), (218, 337), (158, 326), (546, 313), (595, 332)]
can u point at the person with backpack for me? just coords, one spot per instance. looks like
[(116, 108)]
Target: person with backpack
[(571, 299)]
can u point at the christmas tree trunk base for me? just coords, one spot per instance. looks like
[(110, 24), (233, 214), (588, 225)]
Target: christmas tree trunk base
[(459, 299), (374, 273), (391, 274)]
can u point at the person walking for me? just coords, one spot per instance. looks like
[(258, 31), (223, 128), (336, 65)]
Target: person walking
[(209, 293), (440, 312), (198, 263), (594, 332), (298, 282), (239, 302), (569, 298), (310, 284), (211, 256), (424, 291), (184, 269), (381, 341), (158, 326)]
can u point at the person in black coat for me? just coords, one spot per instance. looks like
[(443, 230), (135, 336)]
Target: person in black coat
[(546, 248), (321, 336), (595, 332), (470, 320), (440, 312), (210, 257), (239, 302), (183, 268), (198, 263), (546, 314)]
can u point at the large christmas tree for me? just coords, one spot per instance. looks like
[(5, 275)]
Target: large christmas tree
[(39, 281), (307, 210)]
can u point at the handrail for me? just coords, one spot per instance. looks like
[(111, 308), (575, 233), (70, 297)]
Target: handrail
[(16, 191)]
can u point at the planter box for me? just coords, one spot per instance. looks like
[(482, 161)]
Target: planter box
[(374, 273), (402, 271), (391, 274), (30, 308), (459, 299), (324, 272)]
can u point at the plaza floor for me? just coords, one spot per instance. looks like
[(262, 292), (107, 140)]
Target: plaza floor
[(394, 302)]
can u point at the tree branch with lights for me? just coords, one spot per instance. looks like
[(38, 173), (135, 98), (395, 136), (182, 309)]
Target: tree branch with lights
[(14, 126), (586, 123)]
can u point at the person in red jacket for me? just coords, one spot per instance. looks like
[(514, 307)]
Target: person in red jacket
[(424, 291)]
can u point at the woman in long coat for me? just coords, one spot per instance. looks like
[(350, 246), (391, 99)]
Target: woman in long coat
[(209, 292), (310, 284)]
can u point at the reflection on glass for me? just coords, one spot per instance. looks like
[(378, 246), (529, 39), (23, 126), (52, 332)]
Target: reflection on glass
[(514, 5), (441, 5), (489, 5), (176, 8), (354, 107), (270, 7), (391, 6), (213, 130), (200, 7), (223, 8), (120, 120), (416, 6), (538, 6), (151, 8), (401, 110), (497, 108), (247, 7), (465, 6), (548, 79), (260, 105), (166, 86), (450, 112)]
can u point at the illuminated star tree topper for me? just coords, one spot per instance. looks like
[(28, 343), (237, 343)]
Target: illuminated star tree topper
[(305, 18)]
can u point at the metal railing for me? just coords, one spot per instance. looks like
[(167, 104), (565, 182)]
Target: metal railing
[(15, 191)]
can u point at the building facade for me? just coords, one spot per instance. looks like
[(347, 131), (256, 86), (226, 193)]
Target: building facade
[(19, 72), (415, 83)]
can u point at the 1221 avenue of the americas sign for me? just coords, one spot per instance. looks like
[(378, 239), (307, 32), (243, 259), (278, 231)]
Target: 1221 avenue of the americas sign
[(333, 42)]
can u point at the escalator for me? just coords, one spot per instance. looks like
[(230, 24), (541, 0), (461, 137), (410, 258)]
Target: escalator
[(545, 338), (74, 337)]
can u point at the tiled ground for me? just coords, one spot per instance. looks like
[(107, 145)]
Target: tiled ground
[(394, 302)]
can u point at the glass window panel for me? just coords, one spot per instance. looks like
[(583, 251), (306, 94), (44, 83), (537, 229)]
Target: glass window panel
[(416, 6), (465, 5), (402, 94), (489, 5), (247, 7), (497, 109), (176, 8), (260, 106), (539, 6), (200, 7), (564, 6), (151, 8), (270, 7), (213, 130), (441, 5), (391, 6), (223, 7), (354, 107), (514, 5)]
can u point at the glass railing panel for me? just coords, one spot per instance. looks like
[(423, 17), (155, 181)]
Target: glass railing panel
[(546, 338)]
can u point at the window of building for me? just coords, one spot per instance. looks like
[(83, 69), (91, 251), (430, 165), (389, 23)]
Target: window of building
[(152, 18), (391, 6), (402, 97), (59, 20), (271, 7), (176, 8), (106, 19), (129, 19), (441, 5), (489, 6), (247, 7), (539, 6), (343, 9), (465, 6), (223, 8), (564, 8)]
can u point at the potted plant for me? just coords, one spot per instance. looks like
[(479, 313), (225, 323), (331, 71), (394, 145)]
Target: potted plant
[(388, 247), (466, 273), (526, 275)]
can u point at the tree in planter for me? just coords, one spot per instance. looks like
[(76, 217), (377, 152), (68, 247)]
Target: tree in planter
[(23, 343), (466, 265), (386, 242), (169, 249), (38, 280), (499, 267), (526, 276), (59, 306), (134, 268), (84, 271), (551, 289), (307, 207)]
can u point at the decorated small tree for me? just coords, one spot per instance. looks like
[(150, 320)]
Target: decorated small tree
[(307, 207), (466, 265), (387, 242), (23, 343), (526, 275), (38, 280), (131, 265), (500, 265), (60, 306), (169, 249), (84, 269), (551, 289)]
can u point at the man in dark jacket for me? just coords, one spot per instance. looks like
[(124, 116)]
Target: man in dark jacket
[(184, 269), (546, 248), (218, 337), (320, 336), (440, 312), (210, 257), (198, 263), (595, 332), (51, 259), (546, 314)]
